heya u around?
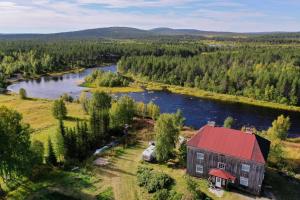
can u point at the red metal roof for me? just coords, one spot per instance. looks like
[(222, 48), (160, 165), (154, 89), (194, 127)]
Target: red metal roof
[(228, 142), (221, 173)]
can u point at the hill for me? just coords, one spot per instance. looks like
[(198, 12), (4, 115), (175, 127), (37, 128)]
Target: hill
[(134, 33)]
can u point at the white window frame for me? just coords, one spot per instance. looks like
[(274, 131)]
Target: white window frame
[(244, 181), (199, 171), (245, 168), (221, 165), (200, 156)]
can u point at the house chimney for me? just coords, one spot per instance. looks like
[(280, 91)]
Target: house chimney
[(211, 123)]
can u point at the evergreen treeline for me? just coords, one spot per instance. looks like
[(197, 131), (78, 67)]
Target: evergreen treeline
[(271, 74), (36, 57)]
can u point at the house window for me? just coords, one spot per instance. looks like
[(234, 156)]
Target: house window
[(244, 181), (199, 169), (200, 156), (221, 165), (245, 167)]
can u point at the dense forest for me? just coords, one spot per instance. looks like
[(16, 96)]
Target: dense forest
[(256, 70), (271, 74), (35, 57)]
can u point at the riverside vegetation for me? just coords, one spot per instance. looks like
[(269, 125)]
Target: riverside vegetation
[(264, 74), (54, 140)]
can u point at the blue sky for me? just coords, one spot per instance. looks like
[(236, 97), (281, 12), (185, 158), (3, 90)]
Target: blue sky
[(45, 16)]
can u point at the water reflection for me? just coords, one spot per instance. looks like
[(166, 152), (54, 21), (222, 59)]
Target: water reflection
[(196, 111)]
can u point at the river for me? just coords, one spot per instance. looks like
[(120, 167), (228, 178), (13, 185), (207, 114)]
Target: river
[(197, 111)]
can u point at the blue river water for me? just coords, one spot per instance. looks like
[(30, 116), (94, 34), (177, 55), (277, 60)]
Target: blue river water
[(197, 111)]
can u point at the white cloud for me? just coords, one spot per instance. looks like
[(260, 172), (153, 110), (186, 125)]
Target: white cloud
[(55, 16), (135, 3)]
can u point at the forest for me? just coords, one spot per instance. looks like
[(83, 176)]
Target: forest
[(263, 73), (32, 58), (255, 70)]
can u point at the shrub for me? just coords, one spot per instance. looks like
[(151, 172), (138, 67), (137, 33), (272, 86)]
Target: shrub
[(152, 180), (194, 189), (164, 194), (66, 97), (106, 194), (143, 175), (161, 194), (158, 181), (23, 93)]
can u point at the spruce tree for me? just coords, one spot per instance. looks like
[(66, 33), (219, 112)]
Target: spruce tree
[(51, 159)]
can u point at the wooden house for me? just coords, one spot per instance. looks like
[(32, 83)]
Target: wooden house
[(226, 156)]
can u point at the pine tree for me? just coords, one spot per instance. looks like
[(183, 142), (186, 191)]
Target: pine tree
[(51, 159)]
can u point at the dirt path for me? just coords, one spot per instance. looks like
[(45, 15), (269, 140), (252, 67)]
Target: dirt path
[(120, 175)]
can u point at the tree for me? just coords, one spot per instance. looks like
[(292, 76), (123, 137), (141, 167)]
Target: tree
[(153, 110), (15, 150), (141, 109), (228, 122), (23, 93), (58, 141), (179, 119), (166, 136), (3, 82), (280, 127), (276, 155), (84, 102), (100, 101), (76, 141), (59, 109), (182, 154), (38, 150), (122, 112), (51, 157), (99, 126)]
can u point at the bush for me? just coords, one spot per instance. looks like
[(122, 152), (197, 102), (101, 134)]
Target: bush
[(152, 180), (161, 194), (106, 194), (158, 181), (164, 194), (194, 189), (23, 93), (66, 97), (143, 175)]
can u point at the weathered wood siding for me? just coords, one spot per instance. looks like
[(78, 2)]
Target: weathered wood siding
[(233, 165)]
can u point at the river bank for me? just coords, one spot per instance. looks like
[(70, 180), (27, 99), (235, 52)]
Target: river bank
[(195, 92), (196, 110)]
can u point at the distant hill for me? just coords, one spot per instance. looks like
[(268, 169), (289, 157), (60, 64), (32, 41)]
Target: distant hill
[(134, 33), (98, 33), (192, 32)]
